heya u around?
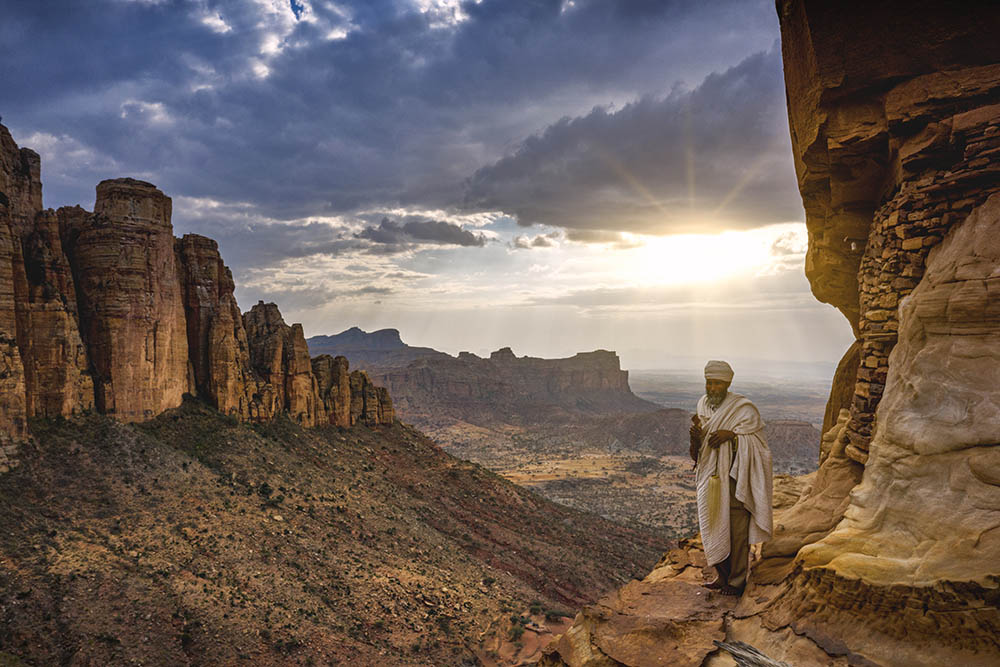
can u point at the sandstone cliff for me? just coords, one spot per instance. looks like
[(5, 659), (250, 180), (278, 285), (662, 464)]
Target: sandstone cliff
[(383, 348), (511, 389), (108, 310), (217, 342), (129, 291), (891, 553)]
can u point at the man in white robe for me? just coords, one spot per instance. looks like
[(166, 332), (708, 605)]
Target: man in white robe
[(733, 478)]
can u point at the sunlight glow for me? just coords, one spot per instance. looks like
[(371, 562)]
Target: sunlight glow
[(700, 258)]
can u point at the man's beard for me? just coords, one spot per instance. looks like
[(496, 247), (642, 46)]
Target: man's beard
[(715, 398)]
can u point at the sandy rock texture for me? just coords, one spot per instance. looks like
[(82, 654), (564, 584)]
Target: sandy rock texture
[(217, 341), (890, 555), (350, 397), (279, 355), (129, 291)]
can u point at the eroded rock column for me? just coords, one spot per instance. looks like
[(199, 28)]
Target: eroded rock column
[(129, 291)]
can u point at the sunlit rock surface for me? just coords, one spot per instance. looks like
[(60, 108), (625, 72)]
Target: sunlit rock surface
[(128, 288), (108, 311), (890, 555)]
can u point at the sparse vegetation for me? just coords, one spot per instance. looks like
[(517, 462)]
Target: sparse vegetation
[(322, 545)]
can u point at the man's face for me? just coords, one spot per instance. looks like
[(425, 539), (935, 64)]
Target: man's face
[(716, 390)]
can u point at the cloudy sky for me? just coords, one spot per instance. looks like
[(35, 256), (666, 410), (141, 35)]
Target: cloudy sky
[(552, 175)]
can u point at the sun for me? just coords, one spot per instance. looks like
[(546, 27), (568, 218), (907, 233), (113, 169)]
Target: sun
[(705, 258)]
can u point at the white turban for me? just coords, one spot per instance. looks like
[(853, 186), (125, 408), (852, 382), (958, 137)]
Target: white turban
[(718, 370)]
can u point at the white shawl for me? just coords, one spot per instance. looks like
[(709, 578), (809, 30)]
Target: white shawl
[(751, 470)]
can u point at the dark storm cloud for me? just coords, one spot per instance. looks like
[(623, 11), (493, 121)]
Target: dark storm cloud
[(389, 232), (364, 102), (715, 157)]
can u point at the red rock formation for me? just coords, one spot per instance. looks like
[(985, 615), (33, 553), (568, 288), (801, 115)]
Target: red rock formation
[(370, 405), (131, 311), (506, 387), (57, 376), (334, 383), (217, 341), (109, 310), (280, 356), (15, 187), (47, 374), (891, 554)]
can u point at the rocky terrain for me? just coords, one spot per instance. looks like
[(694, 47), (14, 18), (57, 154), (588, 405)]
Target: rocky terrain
[(428, 385), (185, 484), (890, 553), (194, 538), (108, 311), (570, 429)]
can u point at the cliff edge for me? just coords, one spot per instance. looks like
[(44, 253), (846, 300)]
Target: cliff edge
[(890, 553), (107, 311)]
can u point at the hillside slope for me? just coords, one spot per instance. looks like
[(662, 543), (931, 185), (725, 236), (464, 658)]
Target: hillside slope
[(194, 539)]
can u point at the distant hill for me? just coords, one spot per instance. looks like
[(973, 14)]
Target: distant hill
[(428, 385), (382, 348)]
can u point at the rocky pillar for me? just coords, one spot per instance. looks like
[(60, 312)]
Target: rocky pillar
[(217, 341), (280, 356), (129, 291)]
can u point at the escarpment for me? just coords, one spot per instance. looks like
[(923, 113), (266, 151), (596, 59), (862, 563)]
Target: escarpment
[(106, 310), (505, 386), (891, 553)]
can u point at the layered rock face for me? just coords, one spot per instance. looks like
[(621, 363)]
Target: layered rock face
[(217, 341), (108, 310), (280, 356), (506, 386), (891, 554), (42, 359), (129, 291), (17, 179), (350, 397), (896, 136), (334, 383)]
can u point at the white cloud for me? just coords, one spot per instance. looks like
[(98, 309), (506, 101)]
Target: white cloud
[(153, 113), (215, 23)]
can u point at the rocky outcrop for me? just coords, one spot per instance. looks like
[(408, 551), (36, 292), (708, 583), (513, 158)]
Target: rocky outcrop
[(508, 388), (280, 356), (217, 341), (108, 310), (57, 373), (44, 365), (891, 553), (17, 178), (842, 388), (894, 145), (334, 383), (378, 349), (129, 290)]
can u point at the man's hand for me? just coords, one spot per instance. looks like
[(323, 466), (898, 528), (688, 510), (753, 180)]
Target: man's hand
[(695, 438), (720, 437)]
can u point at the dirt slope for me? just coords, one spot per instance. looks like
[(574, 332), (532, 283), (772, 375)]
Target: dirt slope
[(195, 540)]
